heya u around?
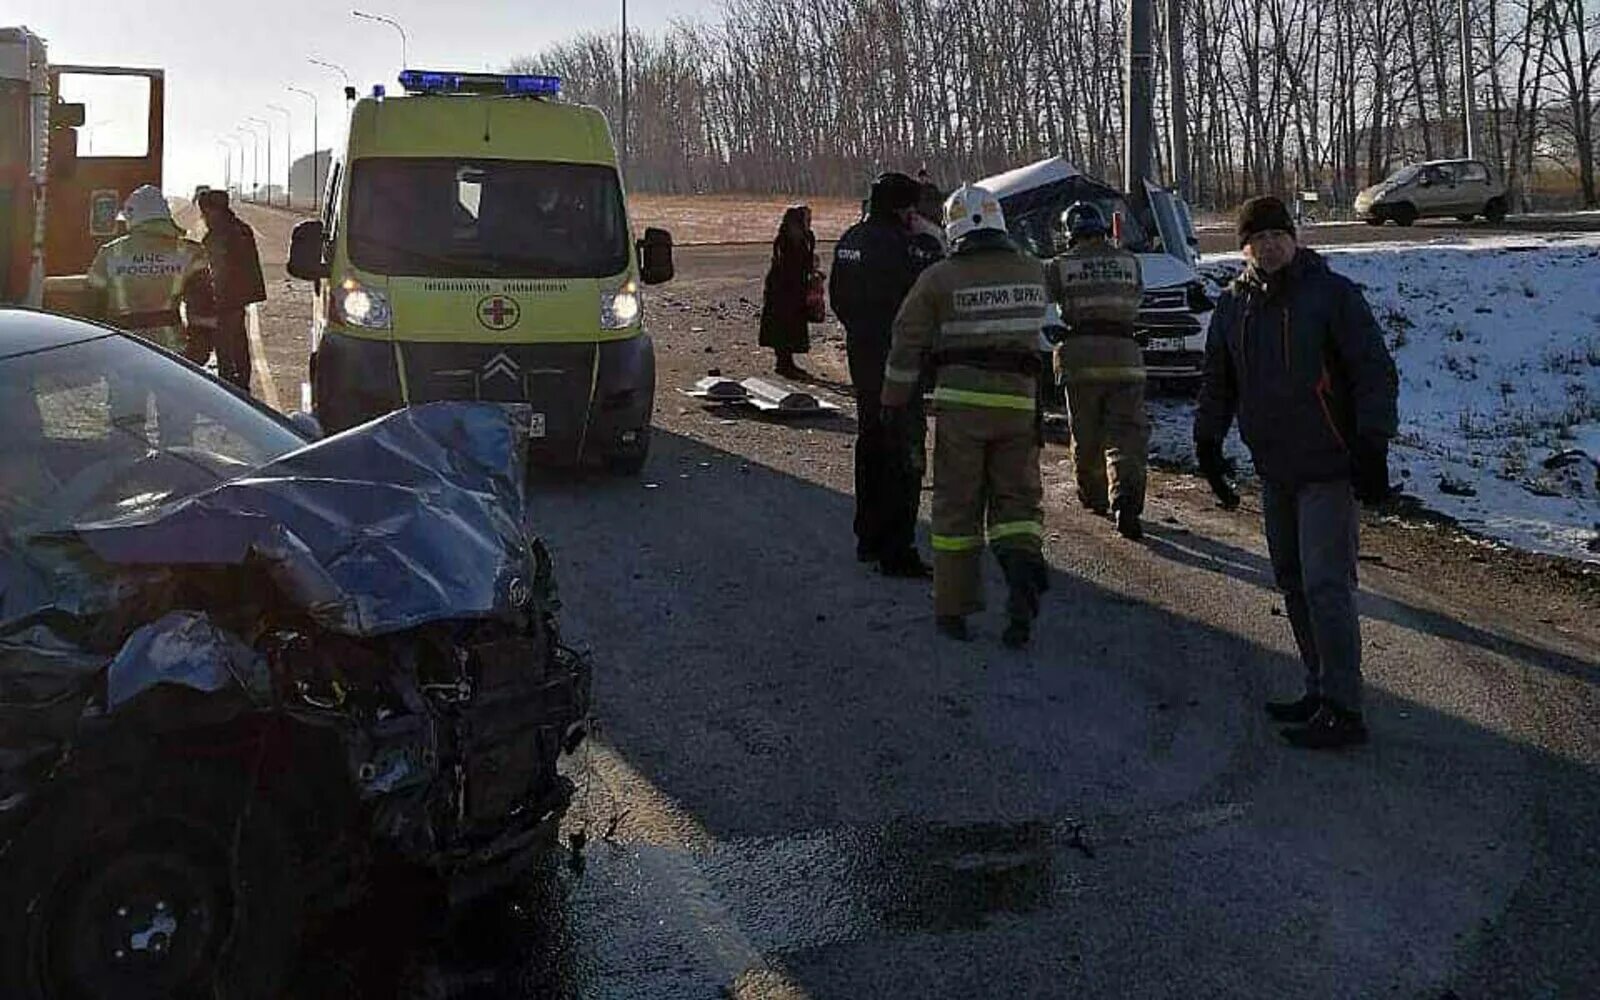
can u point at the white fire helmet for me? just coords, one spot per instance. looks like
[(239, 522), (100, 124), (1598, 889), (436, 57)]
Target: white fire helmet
[(145, 204), (970, 209)]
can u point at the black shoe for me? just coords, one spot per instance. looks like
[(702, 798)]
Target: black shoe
[(1128, 525), (1017, 633), (952, 627), (865, 553), (1097, 509), (1330, 729), (793, 371), (907, 566), (1296, 712)]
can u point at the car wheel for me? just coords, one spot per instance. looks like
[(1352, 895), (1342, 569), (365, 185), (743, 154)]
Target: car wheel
[(1495, 210), (1465, 218), (176, 885), (1404, 214), (1375, 219)]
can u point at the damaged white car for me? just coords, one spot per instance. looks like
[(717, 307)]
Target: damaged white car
[(1176, 308)]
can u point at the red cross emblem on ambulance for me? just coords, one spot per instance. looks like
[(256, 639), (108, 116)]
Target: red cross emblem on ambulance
[(497, 312)]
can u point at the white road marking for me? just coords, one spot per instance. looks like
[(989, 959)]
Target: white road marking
[(258, 359)]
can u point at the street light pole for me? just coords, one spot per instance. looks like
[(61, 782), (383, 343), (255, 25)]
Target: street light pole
[(288, 153), (316, 152), (405, 60), (268, 126), (255, 157), (227, 164)]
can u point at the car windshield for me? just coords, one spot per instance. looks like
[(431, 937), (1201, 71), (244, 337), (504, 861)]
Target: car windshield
[(1404, 175), (103, 427), (486, 218), (1038, 228)]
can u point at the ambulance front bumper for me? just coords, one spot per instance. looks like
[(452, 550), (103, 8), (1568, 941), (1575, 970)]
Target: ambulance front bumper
[(589, 400)]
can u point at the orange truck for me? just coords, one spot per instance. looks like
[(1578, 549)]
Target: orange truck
[(57, 206)]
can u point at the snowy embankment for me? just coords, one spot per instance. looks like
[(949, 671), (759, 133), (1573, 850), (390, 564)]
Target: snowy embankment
[(1498, 345)]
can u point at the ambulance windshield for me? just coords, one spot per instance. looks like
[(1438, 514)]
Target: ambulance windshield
[(486, 218)]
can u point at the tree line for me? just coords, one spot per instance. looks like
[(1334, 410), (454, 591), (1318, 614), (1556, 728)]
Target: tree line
[(1284, 95)]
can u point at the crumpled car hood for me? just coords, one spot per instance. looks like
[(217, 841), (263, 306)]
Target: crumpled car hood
[(416, 517)]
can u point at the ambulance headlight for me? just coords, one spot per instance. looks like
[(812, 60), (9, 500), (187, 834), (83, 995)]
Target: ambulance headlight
[(354, 304), (620, 309)]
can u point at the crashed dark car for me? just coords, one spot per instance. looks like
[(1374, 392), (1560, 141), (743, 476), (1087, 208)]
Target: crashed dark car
[(243, 672)]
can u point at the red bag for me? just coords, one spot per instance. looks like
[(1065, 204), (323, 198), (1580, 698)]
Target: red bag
[(816, 298)]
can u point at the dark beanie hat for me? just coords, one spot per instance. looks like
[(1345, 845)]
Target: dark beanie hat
[(213, 198), (1258, 215)]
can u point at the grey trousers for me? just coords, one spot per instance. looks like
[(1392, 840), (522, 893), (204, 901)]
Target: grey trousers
[(1312, 535)]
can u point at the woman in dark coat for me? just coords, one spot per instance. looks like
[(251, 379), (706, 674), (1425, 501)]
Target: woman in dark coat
[(785, 313)]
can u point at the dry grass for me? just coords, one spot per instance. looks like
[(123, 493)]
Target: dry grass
[(737, 218)]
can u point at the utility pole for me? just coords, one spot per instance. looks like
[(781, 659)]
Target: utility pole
[(1137, 99), (316, 153), (1469, 100), (624, 156), (1179, 112), (268, 126), (255, 158), (288, 154)]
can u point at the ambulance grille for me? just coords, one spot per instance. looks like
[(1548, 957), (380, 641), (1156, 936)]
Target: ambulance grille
[(456, 286)]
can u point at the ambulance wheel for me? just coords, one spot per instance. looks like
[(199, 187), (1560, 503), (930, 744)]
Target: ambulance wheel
[(632, 461)]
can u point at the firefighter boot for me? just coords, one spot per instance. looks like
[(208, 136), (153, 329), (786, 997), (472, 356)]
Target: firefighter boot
[(1022, 575)]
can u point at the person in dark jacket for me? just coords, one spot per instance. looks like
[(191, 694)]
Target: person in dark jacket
[(1294, 353), (236, 276), (875, 264), (785, 313)]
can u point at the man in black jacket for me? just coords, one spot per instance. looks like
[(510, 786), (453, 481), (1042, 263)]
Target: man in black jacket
[(874, 266), (1295, 353), (236, 275)]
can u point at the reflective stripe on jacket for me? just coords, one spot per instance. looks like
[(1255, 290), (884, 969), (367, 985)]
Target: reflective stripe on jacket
[(148, 272), (977, 315)]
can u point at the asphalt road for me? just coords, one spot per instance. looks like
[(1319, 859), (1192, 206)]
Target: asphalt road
[(797, 790)]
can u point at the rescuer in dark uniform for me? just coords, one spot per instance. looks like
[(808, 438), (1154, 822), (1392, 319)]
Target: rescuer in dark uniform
[(875, 264)]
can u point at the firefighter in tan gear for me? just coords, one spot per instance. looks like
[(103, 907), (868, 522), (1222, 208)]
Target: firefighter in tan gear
[(975, 318), (1098, 287), (138, 281)]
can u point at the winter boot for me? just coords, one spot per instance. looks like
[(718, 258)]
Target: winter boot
[(1096, 507), (1128, 525), (905, 565), (1330, 729), (953, 627), (1296, 712), (1017, 634)]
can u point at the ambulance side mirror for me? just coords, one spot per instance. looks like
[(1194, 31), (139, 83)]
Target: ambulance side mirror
[(655, 257), (305, 252)]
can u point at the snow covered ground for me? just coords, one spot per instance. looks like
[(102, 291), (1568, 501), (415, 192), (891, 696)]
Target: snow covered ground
[(1498, 345)]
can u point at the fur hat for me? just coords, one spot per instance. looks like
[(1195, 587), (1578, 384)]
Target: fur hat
[(1259, 215)]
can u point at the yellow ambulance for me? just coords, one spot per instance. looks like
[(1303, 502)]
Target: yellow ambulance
[(476, 245)]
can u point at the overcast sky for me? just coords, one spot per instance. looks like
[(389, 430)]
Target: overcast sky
[(226, 61)]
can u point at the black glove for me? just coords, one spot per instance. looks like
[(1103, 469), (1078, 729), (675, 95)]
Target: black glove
[(1215, 468), (1370, 470)]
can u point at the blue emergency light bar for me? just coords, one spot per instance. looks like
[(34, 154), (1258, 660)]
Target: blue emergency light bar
[(417, 81)]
